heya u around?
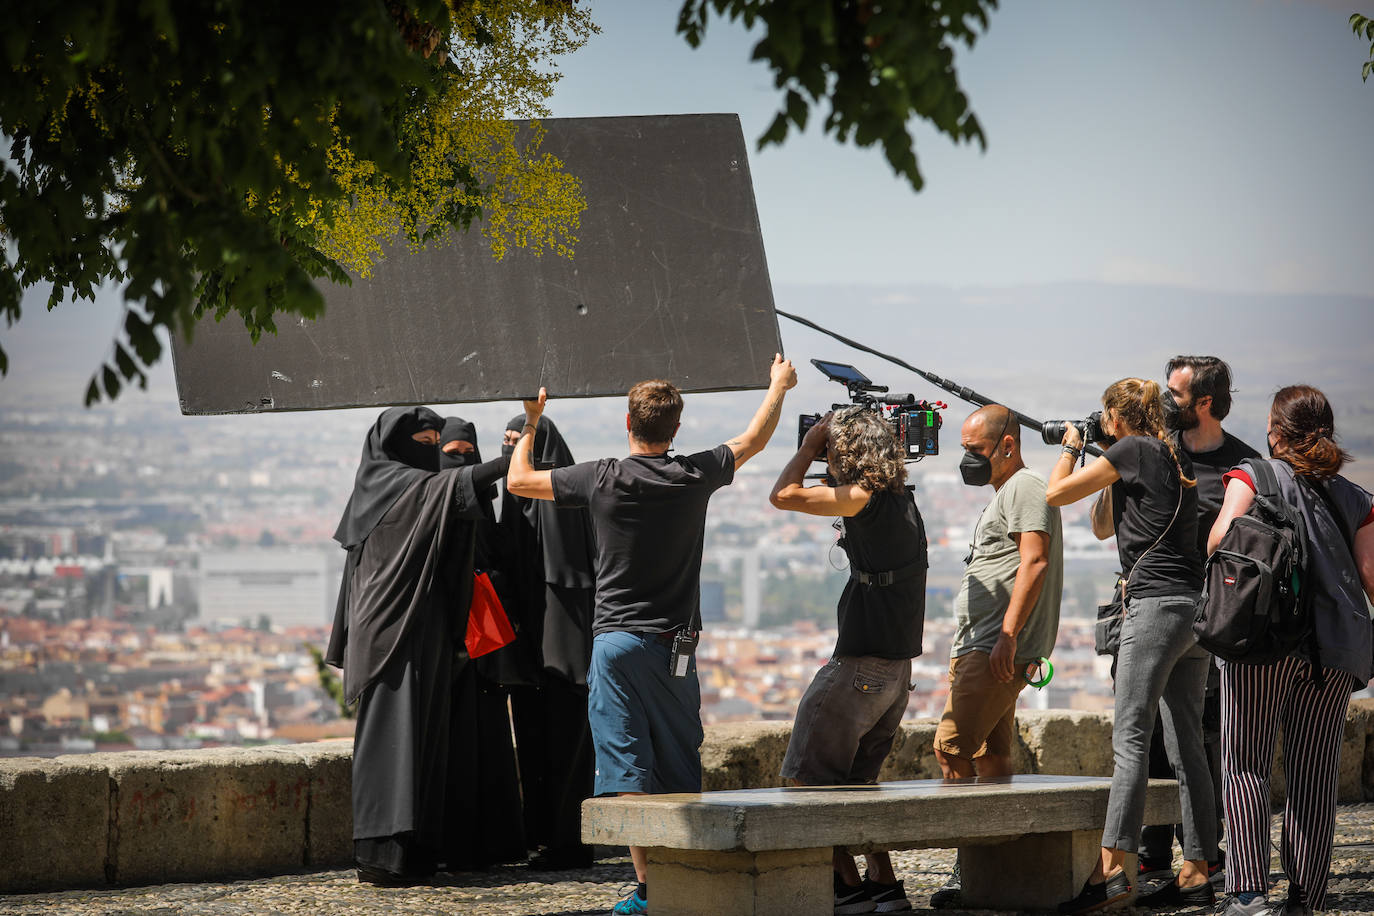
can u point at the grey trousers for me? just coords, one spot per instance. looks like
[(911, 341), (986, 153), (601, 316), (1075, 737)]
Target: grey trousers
[(1160, 669)]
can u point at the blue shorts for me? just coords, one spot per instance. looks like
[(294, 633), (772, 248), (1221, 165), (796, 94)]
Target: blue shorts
[(646, 725)]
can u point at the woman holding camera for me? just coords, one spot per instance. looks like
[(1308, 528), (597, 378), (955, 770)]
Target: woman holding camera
[(1151, 507), (1307, 696)]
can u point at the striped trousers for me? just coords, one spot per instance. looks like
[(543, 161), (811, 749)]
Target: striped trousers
[(1255, 701)]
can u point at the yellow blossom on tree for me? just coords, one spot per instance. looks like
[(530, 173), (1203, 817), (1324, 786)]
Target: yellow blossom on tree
[(468, 157)]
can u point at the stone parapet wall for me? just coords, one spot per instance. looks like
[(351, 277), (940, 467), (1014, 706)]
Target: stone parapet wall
[(151, 817)]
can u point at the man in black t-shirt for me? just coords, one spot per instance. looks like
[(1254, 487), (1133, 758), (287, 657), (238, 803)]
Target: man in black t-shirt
[(1198, 399), (849, 715), (648, 513)]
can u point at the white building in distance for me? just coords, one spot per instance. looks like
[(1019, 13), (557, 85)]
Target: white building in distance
[(288, 587)]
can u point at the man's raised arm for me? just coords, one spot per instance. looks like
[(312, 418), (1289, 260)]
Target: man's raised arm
[(749, 443), (523, 479)]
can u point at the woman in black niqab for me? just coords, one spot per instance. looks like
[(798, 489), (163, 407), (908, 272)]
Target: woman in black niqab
[(485, 809), (402, 612), (548, 582)]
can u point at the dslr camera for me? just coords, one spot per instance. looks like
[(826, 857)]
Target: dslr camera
[(915, 424), (1090, 428)]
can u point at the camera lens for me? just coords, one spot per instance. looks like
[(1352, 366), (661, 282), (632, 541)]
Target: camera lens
[(1052, 431)]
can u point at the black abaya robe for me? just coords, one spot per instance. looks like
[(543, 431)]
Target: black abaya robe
[(549, 583), (483, 806), (402, 610)]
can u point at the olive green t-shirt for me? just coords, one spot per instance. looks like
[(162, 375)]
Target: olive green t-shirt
[(986, 590)]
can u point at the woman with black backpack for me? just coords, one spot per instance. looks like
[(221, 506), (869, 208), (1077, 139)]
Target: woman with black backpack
[(1307, 696), (1151, 507)]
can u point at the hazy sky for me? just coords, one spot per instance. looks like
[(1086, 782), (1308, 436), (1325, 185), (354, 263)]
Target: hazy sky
[(1216, 145), (1220, 145)]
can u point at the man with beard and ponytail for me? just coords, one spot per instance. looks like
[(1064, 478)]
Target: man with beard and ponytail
[(548, 584), (484, 811), (402, 613), (1197, 400), (1007, 610)]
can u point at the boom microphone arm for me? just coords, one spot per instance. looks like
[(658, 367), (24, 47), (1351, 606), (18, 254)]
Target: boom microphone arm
[(962, 392)]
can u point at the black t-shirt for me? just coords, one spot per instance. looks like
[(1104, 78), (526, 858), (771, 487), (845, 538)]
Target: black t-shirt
[(887, 535), (648, 513), (1208, 468), (1145, 502)]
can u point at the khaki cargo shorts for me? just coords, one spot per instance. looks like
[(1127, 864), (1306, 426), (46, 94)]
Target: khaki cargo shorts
[(981, 710)]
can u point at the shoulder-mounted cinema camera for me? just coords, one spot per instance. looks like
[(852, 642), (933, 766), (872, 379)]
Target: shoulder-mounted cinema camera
[(915, 424)]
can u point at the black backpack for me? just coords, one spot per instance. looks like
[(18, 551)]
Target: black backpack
[(1253, 607)]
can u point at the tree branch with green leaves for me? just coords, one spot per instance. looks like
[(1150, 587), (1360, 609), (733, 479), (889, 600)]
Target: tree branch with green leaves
[(876, 63), (1363, 27), (330, 683), (211, 157)]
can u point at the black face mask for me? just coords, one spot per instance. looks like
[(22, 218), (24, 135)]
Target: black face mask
[(460, 459), (1176, 417), (424, 456), (976, 469), (1269, 442)]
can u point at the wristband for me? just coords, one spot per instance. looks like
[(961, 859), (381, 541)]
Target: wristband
[(1070, 450), (1036, 667)]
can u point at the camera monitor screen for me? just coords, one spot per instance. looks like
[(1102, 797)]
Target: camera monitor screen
[(668, 280), (841, 372)]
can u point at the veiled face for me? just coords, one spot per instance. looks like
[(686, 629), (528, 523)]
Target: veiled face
[(427, 437), (458, 447)]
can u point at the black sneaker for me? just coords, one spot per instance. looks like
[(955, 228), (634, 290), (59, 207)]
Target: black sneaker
[(1094, 897), (1171, 895), (850, 900), (951, 895), (887, 898)]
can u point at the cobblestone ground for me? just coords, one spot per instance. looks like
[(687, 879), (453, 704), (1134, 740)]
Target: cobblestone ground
[(516, 891)]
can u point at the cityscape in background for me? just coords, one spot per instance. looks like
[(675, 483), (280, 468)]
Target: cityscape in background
[(163, 582)]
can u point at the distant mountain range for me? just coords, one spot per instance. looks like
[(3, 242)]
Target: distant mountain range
[(1048, 350)]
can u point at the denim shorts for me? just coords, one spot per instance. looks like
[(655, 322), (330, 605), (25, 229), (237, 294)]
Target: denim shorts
[(646, 724), (847, 720)]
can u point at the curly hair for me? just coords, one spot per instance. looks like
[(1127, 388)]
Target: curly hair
[(863, 451), (1136, 402), (1306, 427)]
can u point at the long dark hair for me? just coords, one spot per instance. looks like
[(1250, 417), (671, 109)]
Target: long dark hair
[(1302, 417)]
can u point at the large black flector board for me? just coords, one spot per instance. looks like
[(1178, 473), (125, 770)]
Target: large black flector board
[(668, 281)]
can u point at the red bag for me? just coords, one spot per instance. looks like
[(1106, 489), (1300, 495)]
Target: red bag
[(488, 626)]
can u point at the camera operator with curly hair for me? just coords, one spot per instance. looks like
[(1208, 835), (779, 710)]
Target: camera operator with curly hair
[(1152, 509), (849, 715)]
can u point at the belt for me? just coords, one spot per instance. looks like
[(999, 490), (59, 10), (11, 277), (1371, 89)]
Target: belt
[(890, 577)]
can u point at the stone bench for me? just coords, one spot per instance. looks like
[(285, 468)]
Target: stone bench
[(1024, 841)]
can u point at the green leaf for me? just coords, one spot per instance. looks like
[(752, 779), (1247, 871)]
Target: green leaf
[(127, 367), (797, 108), (776, 132)]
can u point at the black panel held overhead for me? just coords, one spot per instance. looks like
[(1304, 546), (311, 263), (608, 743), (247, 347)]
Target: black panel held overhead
[(669, 280)]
